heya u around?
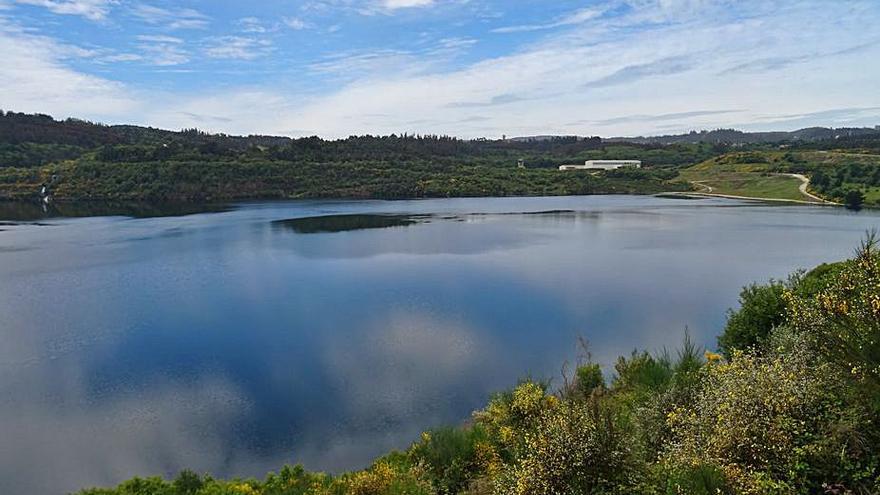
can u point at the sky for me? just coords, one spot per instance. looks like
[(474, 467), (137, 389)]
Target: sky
[(467, 68)]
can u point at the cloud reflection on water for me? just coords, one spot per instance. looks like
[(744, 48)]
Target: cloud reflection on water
[(223, 344)]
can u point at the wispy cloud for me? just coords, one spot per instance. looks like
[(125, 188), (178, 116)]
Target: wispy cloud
[(171, 18), (833, 116), (503, 99), (163, 50), (649, 65), (252, 25), (631, 73), (573, 18), (34, 77), (237, 47), (405, 4), (363, 64), (659, 117), (366, 64), (95, 10), (295, 23), (160, 39), (765, 64), (120, 57)]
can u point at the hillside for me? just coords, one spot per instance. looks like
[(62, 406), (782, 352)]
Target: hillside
[(837, 175), (96, 162), (733, 136), (81, 160)]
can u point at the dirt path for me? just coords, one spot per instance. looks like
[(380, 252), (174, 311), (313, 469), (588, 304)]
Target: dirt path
[(750, 198), (707, 188), (805, 182), (707, 191)]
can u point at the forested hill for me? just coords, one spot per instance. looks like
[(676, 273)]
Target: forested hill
[(82, 160), (733, 136)]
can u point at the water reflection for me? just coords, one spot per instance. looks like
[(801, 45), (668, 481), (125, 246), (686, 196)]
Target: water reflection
[(23, 211), (456, 234), (344, 223), (231, 344)]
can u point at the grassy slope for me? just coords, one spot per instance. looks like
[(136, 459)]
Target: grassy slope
[(751, 179)]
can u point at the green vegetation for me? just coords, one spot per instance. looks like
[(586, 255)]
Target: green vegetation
[(791, 408), (764, 307), (742, 174), (90, 179), (847, 176), (126, 163)]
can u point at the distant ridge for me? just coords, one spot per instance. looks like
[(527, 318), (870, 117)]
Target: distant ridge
[(733, 136), (728, 136), (39, 128)]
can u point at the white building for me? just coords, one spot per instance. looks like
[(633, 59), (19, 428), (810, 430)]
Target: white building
[(603, 165)]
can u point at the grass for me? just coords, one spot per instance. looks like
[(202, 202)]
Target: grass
[(753, 179)]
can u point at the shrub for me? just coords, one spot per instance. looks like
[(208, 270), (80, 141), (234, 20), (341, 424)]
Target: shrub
[(853, 199), (845, 316), (762, 308), (451, 457), (574, 449), (771, 422), (588, 377), (510, 414), (390, 475), (642, 372)]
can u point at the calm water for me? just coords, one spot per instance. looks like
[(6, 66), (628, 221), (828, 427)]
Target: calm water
[(233, 342)]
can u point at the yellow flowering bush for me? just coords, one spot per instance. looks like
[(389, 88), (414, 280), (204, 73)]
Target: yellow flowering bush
[(766, 420), (512, 413), (845, 316), (573, 449)]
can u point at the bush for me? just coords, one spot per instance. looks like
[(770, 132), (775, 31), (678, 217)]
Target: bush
[(845, 316), (762, 308), (451, 457), (642, 373), (853, 199), (588, 377), (574, 449), (771, 421)]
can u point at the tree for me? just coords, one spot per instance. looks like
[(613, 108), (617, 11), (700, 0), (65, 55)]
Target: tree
[(819, 180), (854, 199), (762, 308)]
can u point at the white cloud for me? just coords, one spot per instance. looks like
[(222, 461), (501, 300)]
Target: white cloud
[(572, 80), (295, 23), (163, 50), (252, 25), (403, 4), (160, 39), (172, 19), (237, 47), (35, 78), (95, 10), (577, 17), (121, 57), (655, 65)]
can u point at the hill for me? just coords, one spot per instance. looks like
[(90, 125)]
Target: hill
[(735, 137), (82, 160)]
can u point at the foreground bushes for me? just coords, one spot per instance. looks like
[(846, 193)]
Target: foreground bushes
[(792, 409)]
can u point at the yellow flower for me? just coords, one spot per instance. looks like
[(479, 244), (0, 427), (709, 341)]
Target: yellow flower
[(712, 357)]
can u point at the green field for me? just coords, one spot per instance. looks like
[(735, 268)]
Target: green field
[(725, 175)]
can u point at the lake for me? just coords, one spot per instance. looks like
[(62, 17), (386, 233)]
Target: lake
[(328, 332)]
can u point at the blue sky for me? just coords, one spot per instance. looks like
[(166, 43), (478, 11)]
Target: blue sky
[(468, 68)]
